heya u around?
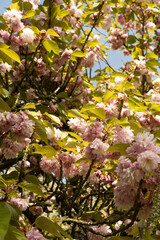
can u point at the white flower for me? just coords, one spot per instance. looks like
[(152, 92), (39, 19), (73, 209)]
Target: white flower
[(143, 139), (5, 67), (148, 160), (13, 16), (27, 35), (119, 80)]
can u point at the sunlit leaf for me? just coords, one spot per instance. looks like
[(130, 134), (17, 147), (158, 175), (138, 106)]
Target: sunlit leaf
[(5, 217), (51, 45)]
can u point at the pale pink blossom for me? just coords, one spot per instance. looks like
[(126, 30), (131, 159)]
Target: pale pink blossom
[(90, 59), (13, 16), (106, 23), (77, 124), (148, 160), (23, 127), (125, 195), (11, 148), (129, 172), (96, 150), (50, 165), (119, 80), (22, 204), (93, 131), (34, 234), (150, 25), (40, 67), (122, 135), (5, 67), (102, 229), (27, 35)]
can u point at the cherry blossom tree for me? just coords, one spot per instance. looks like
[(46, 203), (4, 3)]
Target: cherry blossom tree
[(79, 144)]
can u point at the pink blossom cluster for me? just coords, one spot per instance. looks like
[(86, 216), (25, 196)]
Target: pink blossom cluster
[(73, 10), (90, 59), (141, 68), (50, 165), (101, 229), (4, 36), (11, 148), (111, 109), (122, 135), (66, 55), (20, 126), (40, 67), (77, 124), (14, 17), (23, 127), (125, 195), (20, 203), (117, 38), (145, 153), (96, 150), (53, 165), (129, 172), (148, 120), (106, 23), (93, 131), (34, 234)]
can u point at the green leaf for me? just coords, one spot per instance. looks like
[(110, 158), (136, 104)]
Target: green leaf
[(119, 148), (75, 113), (89, 106), (15, 6), (62, 95), (93, 43), (3, 45), (51, 227), (14, 234), (6, 58), (152, 62), (128, 85), (98, 113), (4, 106), (32, 179), (47, 225), (12, 176), (5, 217), (151, 55), (147, 236), (72, 146), (75, 136), (11, 54), (51, 45), (29, 106), (27, 6), (54, 118), (39, 129), (131, 39), (63, 13), (108, 94), (34, 29), (47, 151), (29, 14), (77, 53), (31, 187), (53, 33)]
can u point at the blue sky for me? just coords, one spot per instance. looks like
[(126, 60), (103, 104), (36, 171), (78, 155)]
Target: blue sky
[(116, 59)]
